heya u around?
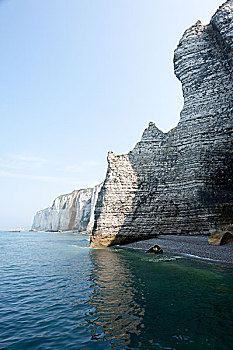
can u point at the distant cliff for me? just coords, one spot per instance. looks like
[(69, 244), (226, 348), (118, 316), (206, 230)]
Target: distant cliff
[(73, 211), (180, 182)]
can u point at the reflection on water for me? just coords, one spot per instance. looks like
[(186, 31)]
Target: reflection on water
[(154, 302), (118, 303), (56, 293)]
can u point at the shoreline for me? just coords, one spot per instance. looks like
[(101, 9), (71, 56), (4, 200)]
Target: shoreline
[(68, 231), (190, 246)]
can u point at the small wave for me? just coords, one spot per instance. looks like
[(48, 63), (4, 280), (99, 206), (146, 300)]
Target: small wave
[(128, 247), (138, 248), (83, 240), (200, 257), (162, 259), (78, 246)]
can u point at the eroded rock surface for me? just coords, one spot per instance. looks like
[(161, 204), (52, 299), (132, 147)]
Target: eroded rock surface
[(221, 238), (180, 182), (73, 211)]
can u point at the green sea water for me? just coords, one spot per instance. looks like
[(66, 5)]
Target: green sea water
[(56, 293)]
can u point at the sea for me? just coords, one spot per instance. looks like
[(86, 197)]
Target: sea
[(56, 293)]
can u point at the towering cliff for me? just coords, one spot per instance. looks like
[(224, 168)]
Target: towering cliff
[(179, 182), (73, 211)]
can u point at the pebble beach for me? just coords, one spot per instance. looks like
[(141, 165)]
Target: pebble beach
[(194, 246)]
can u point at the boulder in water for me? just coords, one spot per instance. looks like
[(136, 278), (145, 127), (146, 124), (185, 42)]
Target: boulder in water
[(155, 249)]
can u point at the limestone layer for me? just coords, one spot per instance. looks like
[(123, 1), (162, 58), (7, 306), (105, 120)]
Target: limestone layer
[(73, 211), (179, 182)]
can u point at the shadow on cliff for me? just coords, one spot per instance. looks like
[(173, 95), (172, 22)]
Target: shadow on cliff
[(164, 204), (179, 191), (184, 178), (218, 191)]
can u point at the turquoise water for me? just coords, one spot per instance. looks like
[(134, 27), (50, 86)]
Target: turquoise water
[(56, 293)]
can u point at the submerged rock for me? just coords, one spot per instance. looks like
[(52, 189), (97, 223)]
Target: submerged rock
[(155, 249), (180, 182)]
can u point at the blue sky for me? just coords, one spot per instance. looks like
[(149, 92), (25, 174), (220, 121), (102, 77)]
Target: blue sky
[(79, 78)]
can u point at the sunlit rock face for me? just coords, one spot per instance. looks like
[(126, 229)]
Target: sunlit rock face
[(179, 182), (73, 211)]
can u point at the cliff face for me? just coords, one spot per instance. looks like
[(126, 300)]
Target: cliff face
[(180, 182), (73, 211)]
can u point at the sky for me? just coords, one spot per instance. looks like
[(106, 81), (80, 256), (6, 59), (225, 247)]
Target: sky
[(79, 78)]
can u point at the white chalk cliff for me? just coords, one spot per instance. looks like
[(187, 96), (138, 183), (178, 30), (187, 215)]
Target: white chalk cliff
[(180, 182), (72, 211)]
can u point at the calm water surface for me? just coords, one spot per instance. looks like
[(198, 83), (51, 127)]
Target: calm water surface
[(56, 293)]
